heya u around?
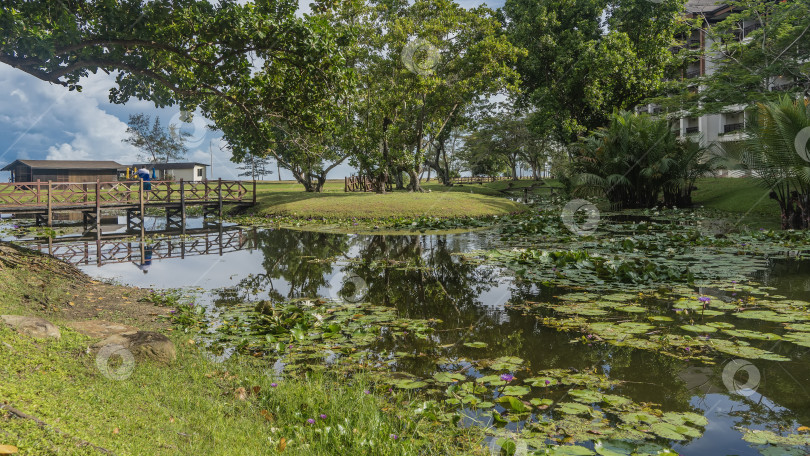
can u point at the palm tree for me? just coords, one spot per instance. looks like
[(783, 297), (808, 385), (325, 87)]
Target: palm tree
[(771, 152), (635, 159)]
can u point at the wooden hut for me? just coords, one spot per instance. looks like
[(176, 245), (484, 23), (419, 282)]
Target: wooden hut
[(64, 170)]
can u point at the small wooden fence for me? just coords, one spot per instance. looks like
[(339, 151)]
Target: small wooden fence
[(39, 196), (482, 179), (363, 184)]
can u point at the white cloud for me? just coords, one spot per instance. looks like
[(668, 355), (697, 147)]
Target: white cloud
[(66, 152)]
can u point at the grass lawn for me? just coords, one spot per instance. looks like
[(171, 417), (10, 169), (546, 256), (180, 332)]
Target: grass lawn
[(193, 406), (744, 201), (285, 198)]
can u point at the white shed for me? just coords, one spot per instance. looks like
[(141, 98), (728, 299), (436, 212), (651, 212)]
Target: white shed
[(190, 171)]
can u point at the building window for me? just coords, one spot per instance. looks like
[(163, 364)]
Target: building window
[(199, 172)]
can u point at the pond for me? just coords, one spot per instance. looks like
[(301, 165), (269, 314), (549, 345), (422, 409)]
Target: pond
[(591, 359)]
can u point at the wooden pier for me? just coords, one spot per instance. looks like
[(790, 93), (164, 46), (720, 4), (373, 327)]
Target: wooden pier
[(90, 198)]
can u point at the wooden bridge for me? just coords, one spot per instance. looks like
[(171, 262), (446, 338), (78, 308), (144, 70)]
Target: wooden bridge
[(116, 249), (44, 198)]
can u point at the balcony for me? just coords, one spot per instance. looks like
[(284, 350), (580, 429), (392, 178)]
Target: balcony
[(783, 87), (728, 128), (692, 130)]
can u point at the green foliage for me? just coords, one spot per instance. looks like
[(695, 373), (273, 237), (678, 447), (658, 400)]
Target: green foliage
[(771, 150), (199, 55), (579, 68), (500, 141), (405, 111), (759, 51), (637, 158), (156, 144)]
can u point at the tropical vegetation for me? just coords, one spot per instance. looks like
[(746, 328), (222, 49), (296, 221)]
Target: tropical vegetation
[(638, 161)]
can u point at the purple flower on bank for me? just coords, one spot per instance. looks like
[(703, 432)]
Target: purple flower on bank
[(274, 385), (394, 436), (311, 421), (323, 416), (367, 392), (507, 377)]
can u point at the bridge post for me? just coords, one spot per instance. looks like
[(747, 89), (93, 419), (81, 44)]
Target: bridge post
[(39, 189), (254, 192), (50, 206), (98, 209), (182, 207), (140, 198), (219, 198)]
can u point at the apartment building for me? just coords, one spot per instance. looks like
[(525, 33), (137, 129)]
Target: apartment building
[(728, 125)]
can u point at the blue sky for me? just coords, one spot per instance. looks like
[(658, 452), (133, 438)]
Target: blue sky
[(39, 120)]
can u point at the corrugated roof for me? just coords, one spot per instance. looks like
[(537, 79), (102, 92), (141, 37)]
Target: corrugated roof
[(186, 165), (66, 164)]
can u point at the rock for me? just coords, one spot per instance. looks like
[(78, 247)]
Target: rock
[(99, 329), (8, 449), (144, 345), (33, 326)]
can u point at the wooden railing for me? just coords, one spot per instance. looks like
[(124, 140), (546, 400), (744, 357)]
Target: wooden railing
[(125, 251), (482, 179), (363, 184), (55, 195)]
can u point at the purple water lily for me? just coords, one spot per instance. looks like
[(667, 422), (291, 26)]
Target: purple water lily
[(507, 377)]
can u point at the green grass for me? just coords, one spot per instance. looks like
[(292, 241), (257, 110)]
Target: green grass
[(333, 203), (192, 406), (742, 200)]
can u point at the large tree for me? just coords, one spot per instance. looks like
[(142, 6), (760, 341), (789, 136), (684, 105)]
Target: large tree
[(155, 143), (422, 64), (252, 69), (588, 57)]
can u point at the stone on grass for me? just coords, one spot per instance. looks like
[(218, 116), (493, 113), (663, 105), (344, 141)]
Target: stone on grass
[(144, 345), (33, 326), (99, 329)]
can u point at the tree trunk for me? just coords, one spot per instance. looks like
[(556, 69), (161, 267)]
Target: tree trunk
[(413, 185)]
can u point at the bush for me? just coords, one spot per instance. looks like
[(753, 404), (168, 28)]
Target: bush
[(637, 161)]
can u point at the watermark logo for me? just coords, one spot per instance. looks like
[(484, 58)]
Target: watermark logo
[(420, 57), (574, 223), (732, 377), (115, 362), (349, 288), (502, 446), (802, 144), (191, 129)]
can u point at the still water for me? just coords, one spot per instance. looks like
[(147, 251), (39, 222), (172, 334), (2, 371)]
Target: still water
[(229, 263)]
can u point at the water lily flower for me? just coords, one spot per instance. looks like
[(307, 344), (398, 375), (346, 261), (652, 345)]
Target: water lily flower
[(704, 299), (507, 377), (548, 382)]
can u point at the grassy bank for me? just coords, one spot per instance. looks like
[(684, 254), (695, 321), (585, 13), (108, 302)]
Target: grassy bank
[(471, 200), (195, 405), (742, 201)]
